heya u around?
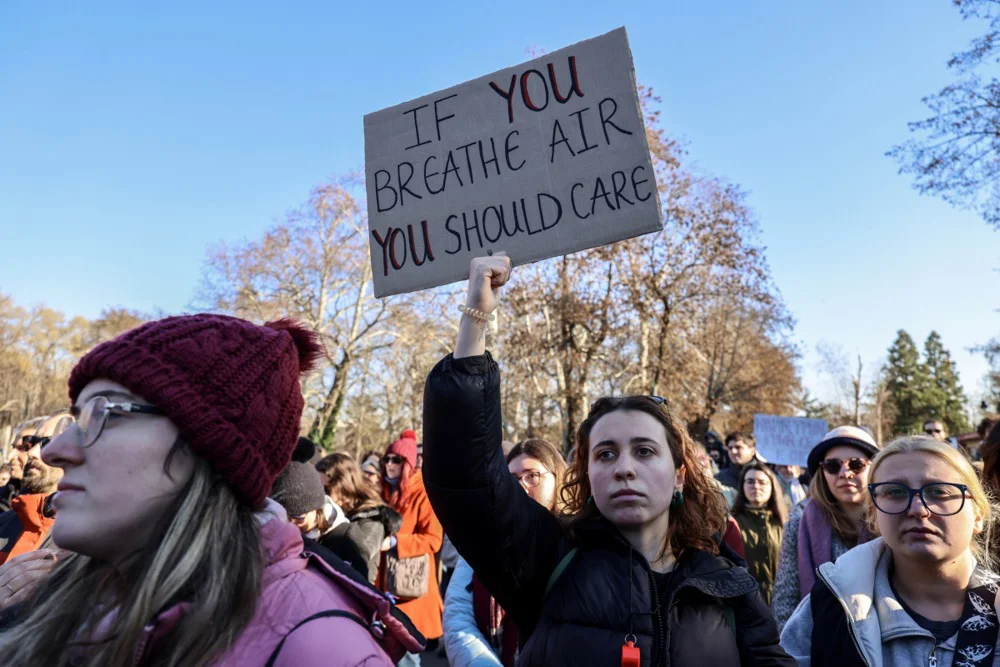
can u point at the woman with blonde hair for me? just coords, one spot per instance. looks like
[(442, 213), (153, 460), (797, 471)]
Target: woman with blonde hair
[(633, 575), (179, 429), (921, 593), (830, 521)]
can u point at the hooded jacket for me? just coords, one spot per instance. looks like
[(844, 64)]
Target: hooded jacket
[(296, 585), (420, 534), (852, 618), (761, 531), (607, 589), (25, 527)]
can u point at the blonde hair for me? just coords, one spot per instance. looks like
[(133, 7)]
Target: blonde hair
[(843, 526), (205, 551), (983, 504)]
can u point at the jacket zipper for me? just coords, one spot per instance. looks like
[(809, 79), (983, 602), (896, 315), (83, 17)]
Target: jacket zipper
[(932, 658), (850, 624), (659, 626)]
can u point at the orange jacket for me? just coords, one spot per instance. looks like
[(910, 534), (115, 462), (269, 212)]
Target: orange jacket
[(26, 530), (421, 533)]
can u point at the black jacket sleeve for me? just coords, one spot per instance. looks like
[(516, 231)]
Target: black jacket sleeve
[(8, 493), (512, 543), (757, 634)]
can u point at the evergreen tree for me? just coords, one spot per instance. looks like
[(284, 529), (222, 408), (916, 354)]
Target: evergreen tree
[(906, 380), (944, 398)]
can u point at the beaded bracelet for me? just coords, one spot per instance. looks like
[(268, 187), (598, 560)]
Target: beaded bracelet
[(477, 314)]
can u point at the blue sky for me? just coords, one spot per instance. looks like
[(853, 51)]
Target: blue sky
[(131, 138)]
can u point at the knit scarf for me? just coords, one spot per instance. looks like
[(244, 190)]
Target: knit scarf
[(816, 544), (495, 625)]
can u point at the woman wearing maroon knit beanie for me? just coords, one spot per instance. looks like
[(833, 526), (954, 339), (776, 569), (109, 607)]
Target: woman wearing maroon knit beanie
[(181, 426)]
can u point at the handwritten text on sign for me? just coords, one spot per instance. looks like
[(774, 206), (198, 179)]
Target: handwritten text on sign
[(787, 440), (538, 160)]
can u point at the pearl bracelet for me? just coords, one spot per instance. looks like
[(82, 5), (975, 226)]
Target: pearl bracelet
[(477, 314)]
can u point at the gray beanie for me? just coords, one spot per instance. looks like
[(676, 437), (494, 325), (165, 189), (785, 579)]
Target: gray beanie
[(299, 489)]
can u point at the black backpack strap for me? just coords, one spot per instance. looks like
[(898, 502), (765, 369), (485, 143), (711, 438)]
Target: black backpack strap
[(332, 613), (346, 570)]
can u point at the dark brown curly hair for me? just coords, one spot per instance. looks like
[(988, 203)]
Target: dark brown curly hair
[(702, 516)]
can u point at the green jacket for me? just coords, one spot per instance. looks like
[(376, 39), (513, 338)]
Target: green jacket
[(761, 532)]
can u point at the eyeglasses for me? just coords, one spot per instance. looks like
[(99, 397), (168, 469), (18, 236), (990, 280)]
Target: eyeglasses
[(932, 431), (940, 498), (91, 419), (393, 458), (855, 464), (531, 479)]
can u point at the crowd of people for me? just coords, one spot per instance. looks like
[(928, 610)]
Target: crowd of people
[(176, 517)]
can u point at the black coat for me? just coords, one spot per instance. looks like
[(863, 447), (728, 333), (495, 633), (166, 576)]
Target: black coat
[(363, 536), (514, 545), (8, 493)]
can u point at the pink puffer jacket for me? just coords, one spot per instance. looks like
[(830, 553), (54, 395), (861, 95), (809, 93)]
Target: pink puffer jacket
[(295, 586)]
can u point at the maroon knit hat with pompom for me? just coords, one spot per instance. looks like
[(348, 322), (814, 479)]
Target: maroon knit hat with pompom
[(231, 387)]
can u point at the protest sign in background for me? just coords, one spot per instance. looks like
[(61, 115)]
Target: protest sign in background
[(538, 160), (787, 440)]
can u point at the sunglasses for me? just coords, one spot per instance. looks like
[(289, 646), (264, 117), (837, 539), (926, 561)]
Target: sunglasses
[(393, 458), (28, 442), (855, 464), (658, 400), (932, 431)]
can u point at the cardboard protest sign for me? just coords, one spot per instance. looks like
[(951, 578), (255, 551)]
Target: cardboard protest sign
[(546, 158), (787, 440)]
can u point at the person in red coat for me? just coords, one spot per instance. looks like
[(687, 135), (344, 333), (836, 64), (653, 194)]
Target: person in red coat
[(420, 535)]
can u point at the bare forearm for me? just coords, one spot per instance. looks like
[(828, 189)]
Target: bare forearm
[(471, 340)]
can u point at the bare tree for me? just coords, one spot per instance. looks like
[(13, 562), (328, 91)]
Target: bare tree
[(956, 154), (314, 266)]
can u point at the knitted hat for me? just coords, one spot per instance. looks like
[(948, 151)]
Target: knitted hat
[(299, 489), (406, 447), (371, 464), (230, 386), (306, 451), (850, 436)]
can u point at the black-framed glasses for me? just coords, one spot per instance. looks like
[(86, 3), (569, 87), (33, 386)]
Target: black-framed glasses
[(393, 458), (940, 498), (532, 479), (855, 464), (93, 416)]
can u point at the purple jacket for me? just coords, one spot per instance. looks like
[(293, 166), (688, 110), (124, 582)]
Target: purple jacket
[(295, 586)]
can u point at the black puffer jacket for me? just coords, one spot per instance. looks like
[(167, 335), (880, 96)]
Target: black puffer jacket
[(514, 545)]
